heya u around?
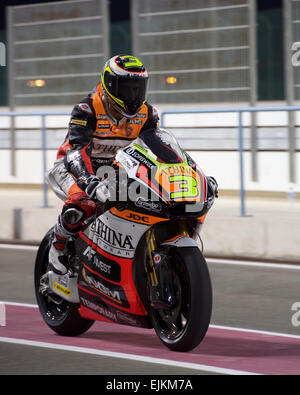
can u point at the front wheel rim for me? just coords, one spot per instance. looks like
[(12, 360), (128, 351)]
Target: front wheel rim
[(172, 324)]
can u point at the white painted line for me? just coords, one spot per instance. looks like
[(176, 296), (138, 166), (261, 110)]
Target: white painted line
[(200, 367), (19, 304), (228, 328), (254, 264), (140, 358), (255, 331), (2, 314), (220, 261)]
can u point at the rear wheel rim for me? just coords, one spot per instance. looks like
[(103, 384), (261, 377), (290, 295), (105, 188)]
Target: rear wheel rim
[(54, 308)]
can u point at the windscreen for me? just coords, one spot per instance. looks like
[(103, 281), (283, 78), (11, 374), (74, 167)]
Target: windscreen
[(164, 145)]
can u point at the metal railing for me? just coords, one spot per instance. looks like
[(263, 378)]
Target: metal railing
[(239, 111), (43, 116)]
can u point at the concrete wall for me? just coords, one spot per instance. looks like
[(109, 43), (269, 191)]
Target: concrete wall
[(273, 167), (267, 233), (271, 229)]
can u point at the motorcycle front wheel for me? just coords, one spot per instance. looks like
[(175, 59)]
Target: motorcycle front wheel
[(60, 315), (183, 327)]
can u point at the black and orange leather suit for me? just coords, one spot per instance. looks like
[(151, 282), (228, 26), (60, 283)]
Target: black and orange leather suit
[(92, 141)]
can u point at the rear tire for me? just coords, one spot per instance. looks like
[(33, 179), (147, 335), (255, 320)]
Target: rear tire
[(183, 327), (61, 316)]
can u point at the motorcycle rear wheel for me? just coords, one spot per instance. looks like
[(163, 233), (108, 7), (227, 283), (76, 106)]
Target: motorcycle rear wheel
[(60, 315), (183, 327)]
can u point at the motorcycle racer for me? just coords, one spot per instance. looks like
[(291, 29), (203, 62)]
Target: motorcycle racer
[(110, 117)]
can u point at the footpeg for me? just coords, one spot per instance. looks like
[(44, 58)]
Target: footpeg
[(44, 284)]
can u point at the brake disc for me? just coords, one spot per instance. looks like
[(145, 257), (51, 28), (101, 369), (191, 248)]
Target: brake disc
[(169, 316)]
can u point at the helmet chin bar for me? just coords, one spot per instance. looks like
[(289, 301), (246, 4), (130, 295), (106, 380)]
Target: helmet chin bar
[(113, 119), (128, 115), (106, 102), (110, 101)]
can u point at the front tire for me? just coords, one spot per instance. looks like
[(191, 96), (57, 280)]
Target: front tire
[(183, 327), (60, 315)]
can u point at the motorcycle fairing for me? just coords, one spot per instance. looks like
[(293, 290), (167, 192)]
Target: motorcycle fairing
[(112, 241), (109, 269), (116, 236), (137, 216), (94, 309), (180, 241), (114, 293), (176, 182)]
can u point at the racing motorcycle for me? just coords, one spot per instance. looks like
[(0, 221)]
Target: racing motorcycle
[(138, 261)]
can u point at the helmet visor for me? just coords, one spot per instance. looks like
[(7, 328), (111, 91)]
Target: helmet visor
[(132, 91)]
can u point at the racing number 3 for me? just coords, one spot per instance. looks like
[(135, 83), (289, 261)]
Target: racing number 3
[(184, 186)]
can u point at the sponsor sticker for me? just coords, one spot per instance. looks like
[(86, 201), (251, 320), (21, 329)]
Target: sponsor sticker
[(108, 269), (60, 288), (148, 205), (134, 121), (113, 292), (98, 309), (79, 122), (103, 126), (111, 236)]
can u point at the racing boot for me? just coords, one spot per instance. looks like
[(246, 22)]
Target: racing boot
[(57, 253), (57, 257), (77, 209)]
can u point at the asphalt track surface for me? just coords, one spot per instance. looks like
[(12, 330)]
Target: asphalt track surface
[(255, 328)]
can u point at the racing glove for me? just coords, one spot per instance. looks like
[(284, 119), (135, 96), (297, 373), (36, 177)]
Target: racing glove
[(97, 189), (212, 190), (213, 185)]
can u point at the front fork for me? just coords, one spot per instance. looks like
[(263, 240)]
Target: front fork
[(151, 246), (162, 292)]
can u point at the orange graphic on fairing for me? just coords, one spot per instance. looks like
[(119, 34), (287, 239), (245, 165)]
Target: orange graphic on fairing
[(181, 183)]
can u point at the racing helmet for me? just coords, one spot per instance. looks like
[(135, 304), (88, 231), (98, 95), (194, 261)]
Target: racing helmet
[(124, 80)]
